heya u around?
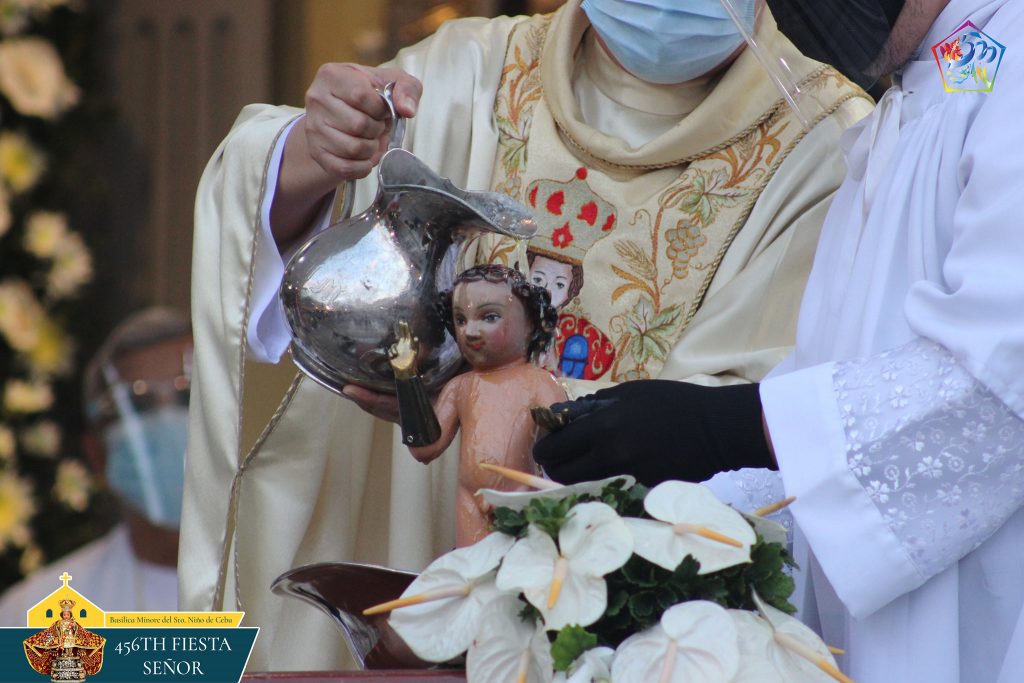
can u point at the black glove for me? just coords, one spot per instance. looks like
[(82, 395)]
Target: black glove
[(657, 430)]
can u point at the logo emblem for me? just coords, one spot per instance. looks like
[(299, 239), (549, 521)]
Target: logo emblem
[(968, 59)]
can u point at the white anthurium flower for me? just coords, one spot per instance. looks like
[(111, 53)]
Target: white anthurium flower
[(690, 520), (593, 666), (518, 500), (440, 612), (696, 642), (566, 582), (507, 649), (770, 531), (777, 648)]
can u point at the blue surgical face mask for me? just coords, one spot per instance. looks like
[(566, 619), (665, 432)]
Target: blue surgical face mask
[(668, 41), (146, 461)]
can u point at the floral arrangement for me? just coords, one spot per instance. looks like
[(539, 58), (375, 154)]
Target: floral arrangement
[(44, 266), (610, 581)]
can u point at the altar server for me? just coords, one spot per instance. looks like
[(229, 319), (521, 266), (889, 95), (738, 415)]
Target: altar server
[(898, 422)]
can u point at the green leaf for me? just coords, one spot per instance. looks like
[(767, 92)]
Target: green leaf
[(642, 605), (549, 514), (529, 612), (509, 521), (640, 573), (616, 601), (570, 643)]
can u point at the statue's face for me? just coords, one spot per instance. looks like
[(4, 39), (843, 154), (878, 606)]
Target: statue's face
[(553, 276), (66, 614), (491, 325)]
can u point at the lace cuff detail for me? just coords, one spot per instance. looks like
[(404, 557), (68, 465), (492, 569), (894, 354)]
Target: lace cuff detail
[(938, 453)]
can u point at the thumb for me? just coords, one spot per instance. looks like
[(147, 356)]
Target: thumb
[(407, 92)]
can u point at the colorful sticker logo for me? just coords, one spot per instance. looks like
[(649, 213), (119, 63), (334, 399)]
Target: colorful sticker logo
[(968, 59)]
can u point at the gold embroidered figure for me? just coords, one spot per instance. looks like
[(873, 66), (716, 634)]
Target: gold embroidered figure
[(66, 651)]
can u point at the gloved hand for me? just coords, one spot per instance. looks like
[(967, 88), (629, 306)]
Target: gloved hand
[(657, 430)]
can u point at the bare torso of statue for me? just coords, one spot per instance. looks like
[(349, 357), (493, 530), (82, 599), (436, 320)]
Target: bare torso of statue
[(494, 411)]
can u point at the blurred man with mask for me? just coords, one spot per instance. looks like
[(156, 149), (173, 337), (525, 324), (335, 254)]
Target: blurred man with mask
[(898, 421), (136, 390), (674, 187)]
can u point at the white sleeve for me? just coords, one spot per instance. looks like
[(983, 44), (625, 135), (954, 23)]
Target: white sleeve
[(268, 335), (901, 462)]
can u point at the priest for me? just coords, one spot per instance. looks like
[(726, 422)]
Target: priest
[(670, 175)]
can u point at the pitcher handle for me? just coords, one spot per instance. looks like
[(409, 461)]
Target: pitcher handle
[(396, 133), (397, 123)]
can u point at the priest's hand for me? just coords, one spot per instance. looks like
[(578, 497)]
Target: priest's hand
[(657, 430), (384, 406), (341, 137), (347, 122)]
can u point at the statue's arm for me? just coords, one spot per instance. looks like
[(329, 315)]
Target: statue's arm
[(446, 408)]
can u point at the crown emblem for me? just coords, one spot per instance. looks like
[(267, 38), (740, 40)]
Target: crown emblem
[(66, 604), (571, 217)]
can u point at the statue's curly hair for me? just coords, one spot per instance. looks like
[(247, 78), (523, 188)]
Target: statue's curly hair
[(536, 302)]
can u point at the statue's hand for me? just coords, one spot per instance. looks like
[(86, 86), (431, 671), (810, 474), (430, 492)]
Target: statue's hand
[(402, 353)]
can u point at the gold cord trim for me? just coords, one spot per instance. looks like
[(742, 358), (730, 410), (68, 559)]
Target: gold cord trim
[(741, 221), (230, 526)]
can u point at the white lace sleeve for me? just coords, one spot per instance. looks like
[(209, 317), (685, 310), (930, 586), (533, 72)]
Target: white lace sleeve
[(940, 456), (750, 489)]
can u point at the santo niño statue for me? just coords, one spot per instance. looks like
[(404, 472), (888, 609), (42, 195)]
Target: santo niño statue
[(501, 322), (66, 651)]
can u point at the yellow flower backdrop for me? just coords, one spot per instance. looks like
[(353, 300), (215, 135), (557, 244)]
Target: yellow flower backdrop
[(45, 490)]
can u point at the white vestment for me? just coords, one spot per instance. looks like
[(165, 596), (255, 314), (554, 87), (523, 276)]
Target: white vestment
[(897, 423), (324, 482), (106, 571)]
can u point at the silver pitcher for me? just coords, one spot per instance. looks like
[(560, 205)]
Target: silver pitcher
[(346, 289)]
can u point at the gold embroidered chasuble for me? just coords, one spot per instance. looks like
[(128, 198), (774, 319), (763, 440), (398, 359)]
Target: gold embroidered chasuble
[(643, 230), (292, 475)]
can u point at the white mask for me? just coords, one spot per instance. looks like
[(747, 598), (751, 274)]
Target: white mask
[(668, 41)]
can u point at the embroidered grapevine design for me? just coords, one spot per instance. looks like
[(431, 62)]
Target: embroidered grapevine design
[(647, 331)]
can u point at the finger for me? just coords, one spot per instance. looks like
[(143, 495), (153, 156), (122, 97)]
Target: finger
[(355, 85), (347, 119), (383, 406), (572, 442), (407, 91), (581, 407), (565, 469)]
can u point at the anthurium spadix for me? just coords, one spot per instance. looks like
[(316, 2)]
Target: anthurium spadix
[(776, 648), (690, 520), (440, 612), (695, 642), (518, 500), (565, 582), (506, 648)]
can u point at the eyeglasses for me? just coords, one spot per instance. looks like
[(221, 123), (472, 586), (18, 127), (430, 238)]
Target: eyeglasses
[(144, 396)]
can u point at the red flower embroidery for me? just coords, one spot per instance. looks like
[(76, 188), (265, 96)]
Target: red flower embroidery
[(555, 202), (588, 213), (562, 237)]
